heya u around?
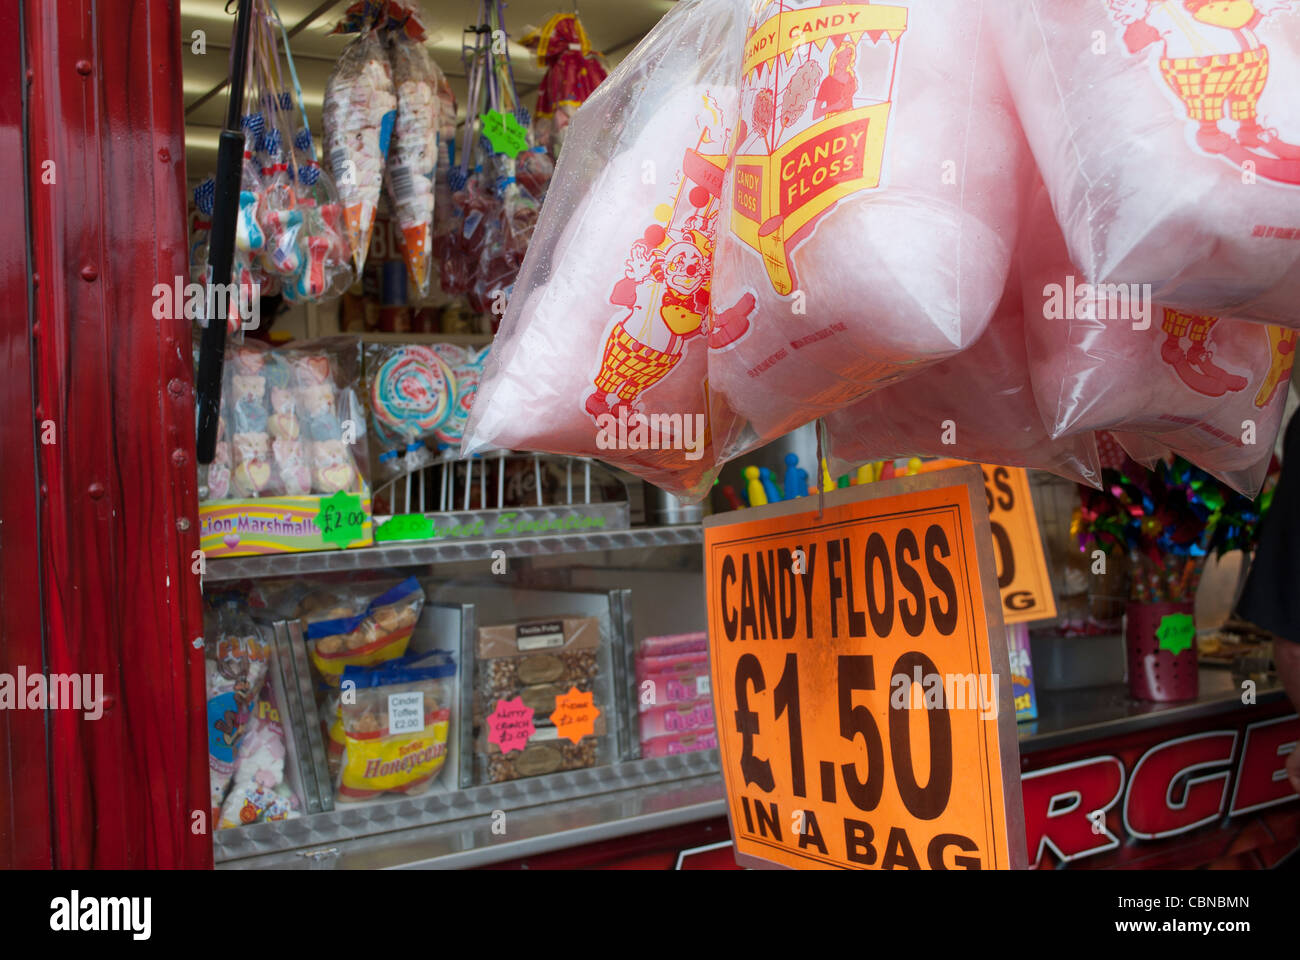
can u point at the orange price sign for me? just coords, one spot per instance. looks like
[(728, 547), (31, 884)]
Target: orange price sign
[(860, 680), (1021, 564)]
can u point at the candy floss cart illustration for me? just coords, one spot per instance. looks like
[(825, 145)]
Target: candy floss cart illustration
[(792, 164)]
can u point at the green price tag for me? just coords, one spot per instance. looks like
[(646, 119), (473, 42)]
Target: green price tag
[(407, 526), (341, 519), (1175, 632), (504, 133)]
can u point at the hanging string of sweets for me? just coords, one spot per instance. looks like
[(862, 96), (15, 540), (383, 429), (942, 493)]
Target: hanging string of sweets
[(501, 178), (290, 237)]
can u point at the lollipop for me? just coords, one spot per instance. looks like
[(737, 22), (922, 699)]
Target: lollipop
[(411, 392), (469, 371)]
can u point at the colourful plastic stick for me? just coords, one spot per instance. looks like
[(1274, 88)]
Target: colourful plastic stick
[(729, 492), (754, 491), (791, 478), (769, 485)]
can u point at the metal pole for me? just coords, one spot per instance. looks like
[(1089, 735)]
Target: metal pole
[(221, 242)]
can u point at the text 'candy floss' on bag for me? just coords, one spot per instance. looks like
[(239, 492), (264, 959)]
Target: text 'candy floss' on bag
[(869, 210)]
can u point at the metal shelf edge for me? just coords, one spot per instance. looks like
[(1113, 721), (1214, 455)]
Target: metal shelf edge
[(554, 826), (458, 810), (417, 553)]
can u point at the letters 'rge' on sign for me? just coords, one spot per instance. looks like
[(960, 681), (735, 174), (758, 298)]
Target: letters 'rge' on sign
[(829, 758)]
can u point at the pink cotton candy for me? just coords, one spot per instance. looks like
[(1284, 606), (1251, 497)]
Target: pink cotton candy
[(602, 351), (873, 226), (1168, 134), (977, 406), (1209, 389)]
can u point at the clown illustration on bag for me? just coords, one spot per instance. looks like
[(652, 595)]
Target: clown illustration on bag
[(1195, 363), (1197, 369), (663, 297), (1214, 61)]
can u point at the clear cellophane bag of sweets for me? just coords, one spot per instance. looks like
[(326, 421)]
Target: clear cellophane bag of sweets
[(1211, 389), (236, 659), (868, 216), (413, 152), (359, 112), (602, 350), (1168, 133)]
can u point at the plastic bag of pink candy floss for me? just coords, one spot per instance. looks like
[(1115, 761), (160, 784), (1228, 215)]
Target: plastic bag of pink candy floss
[(1169, 137), (602, 349), (977, 406), (868, 210), (1211, 389)]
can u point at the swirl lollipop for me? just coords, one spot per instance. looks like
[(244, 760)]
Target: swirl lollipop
[(411, 392), (468, 374)]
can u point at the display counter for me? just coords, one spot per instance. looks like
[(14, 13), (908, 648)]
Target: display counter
[(1196, 783)]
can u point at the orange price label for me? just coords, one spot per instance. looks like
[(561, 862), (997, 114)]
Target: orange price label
[(575, 715), (861, 683), (1021, 564)]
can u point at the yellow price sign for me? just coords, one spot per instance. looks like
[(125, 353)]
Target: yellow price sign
[(1021, 563)]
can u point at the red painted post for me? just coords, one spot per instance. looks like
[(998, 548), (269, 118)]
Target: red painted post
[(118, 519), (24, 792)]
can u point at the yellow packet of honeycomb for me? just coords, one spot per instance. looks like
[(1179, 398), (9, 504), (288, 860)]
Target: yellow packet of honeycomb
[(396, 730)]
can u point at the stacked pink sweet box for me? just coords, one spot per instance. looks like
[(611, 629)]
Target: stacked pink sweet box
[(674, 695)]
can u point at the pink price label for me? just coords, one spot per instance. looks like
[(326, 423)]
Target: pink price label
[(510, 725)]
